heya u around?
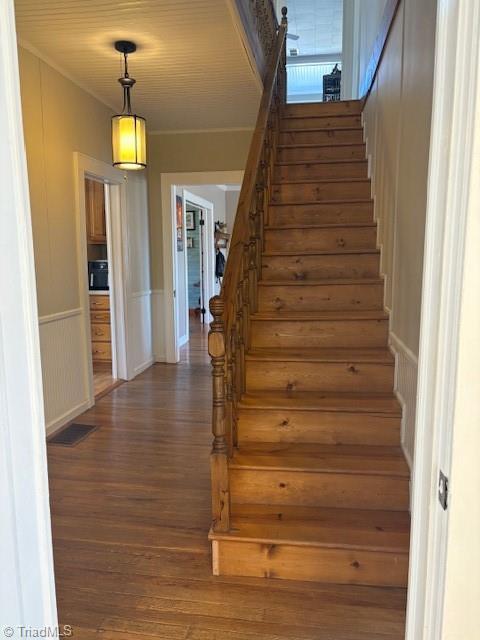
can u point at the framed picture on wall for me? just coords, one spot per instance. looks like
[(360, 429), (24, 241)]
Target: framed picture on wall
[(190, 244), (190, 220), (179, 210)]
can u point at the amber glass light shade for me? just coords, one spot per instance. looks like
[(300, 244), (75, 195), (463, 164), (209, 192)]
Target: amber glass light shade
[(129, 146)]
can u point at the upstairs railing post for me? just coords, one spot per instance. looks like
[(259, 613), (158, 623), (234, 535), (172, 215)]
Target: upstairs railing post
[(219, 457), (283, 64)]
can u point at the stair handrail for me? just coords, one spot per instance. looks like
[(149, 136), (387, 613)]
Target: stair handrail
[(229, 331)]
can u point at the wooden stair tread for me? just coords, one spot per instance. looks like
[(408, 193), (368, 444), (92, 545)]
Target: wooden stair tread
[(304, 316), (329, 252), (372, 354), (369, 530), (309, 145), (328, 225), (308, 116), (374, 403), (287, 163), (319, 181), (343, 201), (304, 283), (322, 458), (313, 129), (323, 202)]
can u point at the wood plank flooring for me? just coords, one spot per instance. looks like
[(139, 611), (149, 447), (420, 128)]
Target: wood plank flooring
[(131, 514)]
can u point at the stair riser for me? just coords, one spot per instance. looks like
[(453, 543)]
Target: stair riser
[(319, 267), (313, 191), (330, 213), (312, 564), (307, 154), (323, 297), (322, 427), (319, 333), (347, 107), (321, 122), (322, 171), (322, 239), (351, 136), (344, 377), (304, 488)]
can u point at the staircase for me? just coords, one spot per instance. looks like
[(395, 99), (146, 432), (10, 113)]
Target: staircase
[(308, 478)]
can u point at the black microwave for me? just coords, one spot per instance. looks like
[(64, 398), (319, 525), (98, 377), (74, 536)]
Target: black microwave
[(98, 275)]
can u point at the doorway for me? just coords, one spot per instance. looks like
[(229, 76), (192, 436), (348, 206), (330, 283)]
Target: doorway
[(196, 248), (101, 208), (196, 212), (101, 293)]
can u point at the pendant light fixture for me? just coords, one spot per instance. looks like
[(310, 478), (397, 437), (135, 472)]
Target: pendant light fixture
[(128, 129)]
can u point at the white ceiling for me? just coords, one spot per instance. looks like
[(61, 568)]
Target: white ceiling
[(190, 67), (318, 23)]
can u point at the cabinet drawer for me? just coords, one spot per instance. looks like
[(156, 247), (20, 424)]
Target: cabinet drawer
[(100, 332), (102, 317), (101, 351), (99, 302)]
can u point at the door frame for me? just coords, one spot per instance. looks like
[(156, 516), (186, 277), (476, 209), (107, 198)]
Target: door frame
[(27, 585), (169, 240), (451, 184), (209, 212), (115, 211)]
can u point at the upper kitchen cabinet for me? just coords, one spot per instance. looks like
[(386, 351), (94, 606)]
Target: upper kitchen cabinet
[(95, 210)]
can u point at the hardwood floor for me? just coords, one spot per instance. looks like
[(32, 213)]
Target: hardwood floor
[(103, 382), (131, 514)]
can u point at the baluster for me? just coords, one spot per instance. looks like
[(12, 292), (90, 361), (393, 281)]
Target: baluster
[(246, 295), (231, 386), (252, 260), (229, 408), (240, 343), (219, 455)]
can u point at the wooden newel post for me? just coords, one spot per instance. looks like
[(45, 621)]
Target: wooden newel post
[(219, 456)]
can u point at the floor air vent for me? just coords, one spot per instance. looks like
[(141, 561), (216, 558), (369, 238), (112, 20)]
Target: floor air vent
[(72, 435)]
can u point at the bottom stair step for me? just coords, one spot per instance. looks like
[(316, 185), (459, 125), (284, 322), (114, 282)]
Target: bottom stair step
[(341, 546)]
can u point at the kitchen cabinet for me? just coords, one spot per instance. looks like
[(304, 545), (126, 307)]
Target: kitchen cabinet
[(95, 211), (100, 328)]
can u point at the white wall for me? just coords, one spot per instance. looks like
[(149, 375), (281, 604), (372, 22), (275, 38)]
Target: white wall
[(231, 205), (361, 21), (397, 127), (59, 119)]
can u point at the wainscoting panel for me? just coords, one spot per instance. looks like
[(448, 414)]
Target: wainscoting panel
[(140, 319), (406, 371), (64, 367), (158, 326)]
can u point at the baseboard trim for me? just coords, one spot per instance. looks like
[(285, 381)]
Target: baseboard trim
[(54, 425), (142, 367), (183, 340), (406, 370), (398, 345)]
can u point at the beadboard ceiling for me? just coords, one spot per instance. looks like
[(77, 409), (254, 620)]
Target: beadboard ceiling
[(191, 70)]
